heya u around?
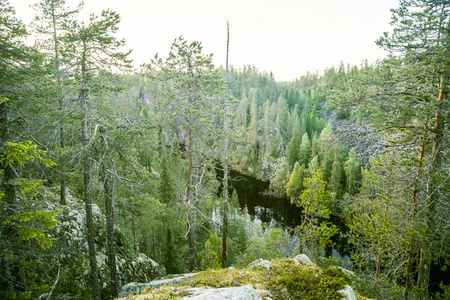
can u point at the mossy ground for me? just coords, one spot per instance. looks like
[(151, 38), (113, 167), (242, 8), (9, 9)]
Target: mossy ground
[(285, 280)]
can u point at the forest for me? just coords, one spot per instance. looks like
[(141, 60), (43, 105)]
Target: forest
[(105, 166)]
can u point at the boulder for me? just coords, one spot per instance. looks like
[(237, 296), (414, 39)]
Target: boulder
[(246, 292), (261, 263), (303, 259), (348, 293), (135, 287)]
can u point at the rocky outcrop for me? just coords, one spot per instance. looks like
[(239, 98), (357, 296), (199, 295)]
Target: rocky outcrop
[(348, 293), (246, 292), (304, 259), (70, 240), (260, 263), (361, 137), (242, 284), (135, 287)]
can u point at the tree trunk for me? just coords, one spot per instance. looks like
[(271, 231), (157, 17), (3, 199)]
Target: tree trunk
[(62, 199), (87, 181), (189, 196), (108, 186), (432, 192), (225, 168), (411, 253)]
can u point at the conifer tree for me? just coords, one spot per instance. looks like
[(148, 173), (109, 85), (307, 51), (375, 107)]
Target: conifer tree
[(194, 85), (52, 22), (305, 150), (294, 186), (95, 48), (404, 96)]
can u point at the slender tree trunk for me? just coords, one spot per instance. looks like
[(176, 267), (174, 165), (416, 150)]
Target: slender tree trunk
[(189, 195), (133, 223), (432, 192), (62, 199), (411, 254), (87, 180), (225, 167), (108, 186)]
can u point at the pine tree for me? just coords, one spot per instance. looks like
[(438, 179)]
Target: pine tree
[(294, 186), (353, 170), (53, 20), (194, 84), (404, 97), (95, 48), (305, 150)]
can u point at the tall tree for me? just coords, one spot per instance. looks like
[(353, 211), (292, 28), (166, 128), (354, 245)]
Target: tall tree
[(405, 97), (52, 21), (224, 259), (95, 49), (194, 85)]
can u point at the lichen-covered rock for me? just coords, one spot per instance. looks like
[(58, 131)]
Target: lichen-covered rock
[(141, 269), (348, 293), (135, 287), (246, 292), (261, 263), (348, 272), (71, 244), (303, 259)]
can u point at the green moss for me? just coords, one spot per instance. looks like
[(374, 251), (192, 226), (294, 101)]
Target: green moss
[(285, 280), (317, 284)]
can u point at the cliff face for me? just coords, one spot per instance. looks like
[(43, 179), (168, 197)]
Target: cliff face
[(70, 249), (359, 136)]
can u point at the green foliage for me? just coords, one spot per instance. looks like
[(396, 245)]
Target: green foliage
[(35, 225), (294, 186), (307, 285), (20, 153), (210, 257)]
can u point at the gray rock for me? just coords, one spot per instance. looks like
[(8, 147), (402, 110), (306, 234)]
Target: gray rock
[(261, 263), (234, 293), (348, 293), (135, 287), (303, 259), (348, 272)]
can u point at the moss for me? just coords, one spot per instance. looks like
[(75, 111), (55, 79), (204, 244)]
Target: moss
[(285, 280)]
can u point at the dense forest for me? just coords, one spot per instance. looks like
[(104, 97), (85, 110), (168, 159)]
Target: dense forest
[(103, 164)]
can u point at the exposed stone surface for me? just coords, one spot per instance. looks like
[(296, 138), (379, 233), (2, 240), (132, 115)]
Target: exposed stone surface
[(70, 237), (348, 272), (303, 259), (261, 263), (361, 137), (348, 293), (246, 292), (135, 287)]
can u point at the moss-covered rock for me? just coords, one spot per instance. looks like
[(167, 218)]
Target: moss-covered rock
[(283, 279), (70, 249)]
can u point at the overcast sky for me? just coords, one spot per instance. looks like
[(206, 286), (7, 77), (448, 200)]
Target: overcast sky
[(286, 37)]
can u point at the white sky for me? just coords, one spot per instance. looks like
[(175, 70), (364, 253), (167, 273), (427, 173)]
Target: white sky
[(286, 37)]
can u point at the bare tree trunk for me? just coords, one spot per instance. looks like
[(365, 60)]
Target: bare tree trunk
[(108, 186), (87, 181), (225, 167), (189, 195)]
